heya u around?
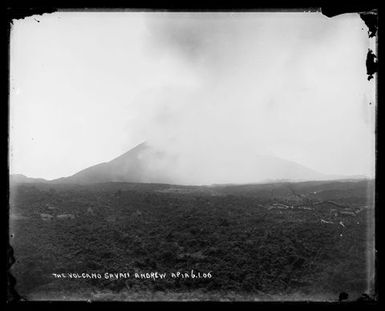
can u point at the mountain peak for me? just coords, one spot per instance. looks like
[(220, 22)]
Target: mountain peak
[(146, 164), (137, 149)]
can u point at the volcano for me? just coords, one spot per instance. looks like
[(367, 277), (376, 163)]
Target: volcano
[(146, 164)]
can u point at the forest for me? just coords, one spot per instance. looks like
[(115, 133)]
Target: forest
[(277, 241)]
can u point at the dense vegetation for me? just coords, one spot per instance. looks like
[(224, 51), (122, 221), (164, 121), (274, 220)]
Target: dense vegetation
[(307, 240)]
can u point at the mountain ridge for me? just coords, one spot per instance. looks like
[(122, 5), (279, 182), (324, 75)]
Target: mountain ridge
[(146, 164)]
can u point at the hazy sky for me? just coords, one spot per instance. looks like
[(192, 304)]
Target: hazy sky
[(86, 87)]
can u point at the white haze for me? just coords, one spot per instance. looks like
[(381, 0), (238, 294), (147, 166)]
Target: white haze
[(215, 89)]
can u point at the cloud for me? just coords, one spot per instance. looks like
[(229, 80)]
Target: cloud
[(285, 85), (203, 86)]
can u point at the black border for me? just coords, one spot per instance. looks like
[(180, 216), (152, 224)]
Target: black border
[(18, 10)]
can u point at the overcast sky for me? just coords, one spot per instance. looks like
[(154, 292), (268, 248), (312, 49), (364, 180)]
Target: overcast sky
[(87, 87)]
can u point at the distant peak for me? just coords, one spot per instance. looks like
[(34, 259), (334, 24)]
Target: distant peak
[(141, 145), (137, 149), (18, 175)]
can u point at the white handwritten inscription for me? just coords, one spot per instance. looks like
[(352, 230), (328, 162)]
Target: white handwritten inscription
[(154, 275)]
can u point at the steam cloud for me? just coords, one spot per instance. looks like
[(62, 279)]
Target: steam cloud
[(214, 90)]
